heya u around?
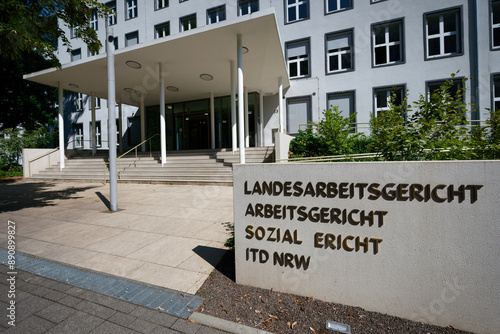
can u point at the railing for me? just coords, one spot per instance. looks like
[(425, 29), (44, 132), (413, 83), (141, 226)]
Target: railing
[(39, 157), (136, 158)]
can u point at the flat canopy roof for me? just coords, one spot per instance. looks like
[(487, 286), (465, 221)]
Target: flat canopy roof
[(184, 57)]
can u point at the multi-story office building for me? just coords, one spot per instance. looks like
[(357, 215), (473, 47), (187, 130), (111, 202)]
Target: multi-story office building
[(314, 53)]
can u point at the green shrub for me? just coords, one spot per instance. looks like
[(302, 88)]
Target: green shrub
[(306, 144)]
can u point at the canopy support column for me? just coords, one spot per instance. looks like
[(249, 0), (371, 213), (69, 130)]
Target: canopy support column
[(113, 177), (247, 132), (163, 135), (120, 124), (261, 119), (241, 119), (281, 111), (94, 139), (212, 118), (234, 128), (61, 128), (142, 110)]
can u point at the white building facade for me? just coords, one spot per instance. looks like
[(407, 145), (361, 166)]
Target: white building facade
[(346, 53)]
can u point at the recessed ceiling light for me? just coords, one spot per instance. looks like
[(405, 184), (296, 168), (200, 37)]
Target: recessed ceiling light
[(130, 90), (172, 88), (72, 85), (206, 77), (133, 64), (244, 50), (269, 93)]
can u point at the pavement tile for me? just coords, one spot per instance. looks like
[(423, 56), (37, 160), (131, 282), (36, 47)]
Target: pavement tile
[(185, 326), (154, 316), (32, 324), (61, 287), (95, 309), (78, 323), (31, 305), (122, 318), (56, 313), (142, 326), (111, 328), (55, 295), (163, 330), (122, 306), (70, 301), (208, 330)]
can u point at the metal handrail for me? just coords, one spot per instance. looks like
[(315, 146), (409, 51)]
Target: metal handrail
[(39, 157), (132, 149)]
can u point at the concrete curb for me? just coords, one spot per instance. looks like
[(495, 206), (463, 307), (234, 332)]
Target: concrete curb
[(224, 325)]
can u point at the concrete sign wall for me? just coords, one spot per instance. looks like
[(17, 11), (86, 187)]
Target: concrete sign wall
[(419, 240)]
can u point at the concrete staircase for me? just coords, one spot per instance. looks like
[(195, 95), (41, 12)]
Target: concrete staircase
[(182, 167)]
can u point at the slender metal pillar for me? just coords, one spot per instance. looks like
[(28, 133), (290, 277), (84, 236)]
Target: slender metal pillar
[(212, 118), (120, 126), (163, 132), (234, 128), (241, 118), (261, 119), (113, 177), (142, 110), (62, 156), (94, 139), (247, 132), (281, 111)]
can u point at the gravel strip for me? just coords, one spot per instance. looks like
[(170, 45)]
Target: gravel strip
[(285, 313)]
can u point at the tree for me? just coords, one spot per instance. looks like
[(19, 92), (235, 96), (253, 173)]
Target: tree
[(28, 25)]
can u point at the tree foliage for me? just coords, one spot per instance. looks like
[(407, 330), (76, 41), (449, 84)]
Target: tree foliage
[(28, 25), (11, 147)]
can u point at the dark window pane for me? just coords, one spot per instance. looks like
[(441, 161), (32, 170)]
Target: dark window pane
[(222, 15), (303, 11), (450, 22), (304, 67), (381, 97), (497, 105), (334, 63), (433, 45), (291, 2), (380, 35), (450, 44), (332, 5), (394, 33), (497, 87), (380, 56), (254, 6), (496, 37), (496, 13), (345, 3), (398, 97), (293, 70), (346, 61), (394, 53), (291, 14), (433, 25)]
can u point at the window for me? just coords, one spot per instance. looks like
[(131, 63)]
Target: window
[(383, 96), (375, 1), (344, 101), (78, 132), (112, 17), (442, 34), (98, 137), (93, 20), (98, 103), (132, 38), (90, 53), (117, 132), (247, 6), (160, 4), (216, 14), (131, 9), (76, 54), (455, 89), (495, 25), (298, 59), (298, 114), (188, 22), (336, 5), (77, 102), (496, 93), (72, 32), (388, 43), (297, 10), (162, 30), (339, 52)]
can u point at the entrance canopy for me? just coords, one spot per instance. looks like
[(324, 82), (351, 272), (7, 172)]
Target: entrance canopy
[(189, 60)]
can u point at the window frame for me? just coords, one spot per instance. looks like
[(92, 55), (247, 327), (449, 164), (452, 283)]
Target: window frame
[(157, 7), (248, 3), (131, 34), (458, 80), (296, 5), (217, 10), (372, 2), (459, 32), (307, 42), (181, 25), (112, 18), (491, 27), (79, 137), (327, 12), (167, 23), (307, 98), (340, 33), (129, 6), (493, 97), (388, 90), (73, 54), (94, 20), (388, 44), (345, 93)]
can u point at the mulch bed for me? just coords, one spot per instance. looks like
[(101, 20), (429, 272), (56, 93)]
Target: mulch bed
[(285, 313)]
